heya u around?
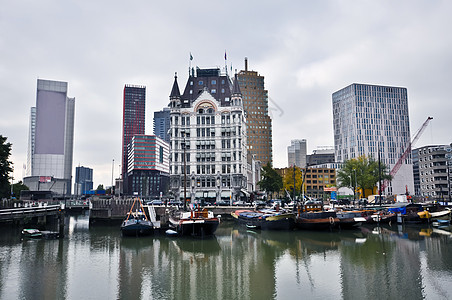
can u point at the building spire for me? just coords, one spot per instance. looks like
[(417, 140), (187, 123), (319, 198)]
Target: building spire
[(175, 93)]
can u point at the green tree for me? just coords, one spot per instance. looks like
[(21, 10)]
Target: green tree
[(5, 167), (271, 181), (17, 187), (289, 180), (100, 187), (362, 173)]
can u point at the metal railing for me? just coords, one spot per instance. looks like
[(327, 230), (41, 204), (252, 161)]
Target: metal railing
[(37, 211)]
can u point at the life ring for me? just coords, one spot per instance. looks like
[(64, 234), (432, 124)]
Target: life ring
[(331, 220)]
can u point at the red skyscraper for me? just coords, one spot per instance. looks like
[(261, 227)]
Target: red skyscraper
[(133, 121)]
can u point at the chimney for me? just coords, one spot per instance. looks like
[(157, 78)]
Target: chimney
[(246, 63)]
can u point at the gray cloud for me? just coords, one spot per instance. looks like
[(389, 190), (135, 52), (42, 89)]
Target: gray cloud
[(305, 50)]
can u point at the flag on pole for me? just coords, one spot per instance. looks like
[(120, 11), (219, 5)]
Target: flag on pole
[(225, 57)]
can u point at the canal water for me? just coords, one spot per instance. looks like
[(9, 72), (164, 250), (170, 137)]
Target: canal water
[(95, 262)]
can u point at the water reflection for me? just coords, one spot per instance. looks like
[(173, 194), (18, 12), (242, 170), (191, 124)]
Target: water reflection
[(96, 262)]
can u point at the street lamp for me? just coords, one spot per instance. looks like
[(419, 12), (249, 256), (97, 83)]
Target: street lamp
[(12, 183), (354, 188)]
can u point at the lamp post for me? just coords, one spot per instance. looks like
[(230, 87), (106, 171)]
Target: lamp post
[(12, 183), (354, 188)]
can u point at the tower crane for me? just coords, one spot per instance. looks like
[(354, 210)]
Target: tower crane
[(405, 154)]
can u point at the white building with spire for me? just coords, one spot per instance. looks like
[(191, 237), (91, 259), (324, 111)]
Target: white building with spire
[(208, 138)]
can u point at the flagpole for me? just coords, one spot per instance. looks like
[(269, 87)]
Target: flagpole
[(189, 64), (225, 63)]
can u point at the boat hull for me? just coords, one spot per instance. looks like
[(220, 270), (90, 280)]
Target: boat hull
[(197, 227), (137, 229), (256, 220), (317, 220)]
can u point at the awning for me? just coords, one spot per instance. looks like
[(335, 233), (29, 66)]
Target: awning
[(212, 194), (245, 193), (225, 194), (198, 194)]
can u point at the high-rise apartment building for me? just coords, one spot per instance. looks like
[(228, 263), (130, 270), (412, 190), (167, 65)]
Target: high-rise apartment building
[(162, 124), (368, 119), (51, 139), (83, 180), (296, 153), (433, 169), (148, 166), (259, 123), (133, 122), (208, 157)]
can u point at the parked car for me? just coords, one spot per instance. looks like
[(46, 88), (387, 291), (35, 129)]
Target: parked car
[(362, 201), (240, 203), (259, 203), (175, 203), (155, 202), (343, 202), (222, 203)]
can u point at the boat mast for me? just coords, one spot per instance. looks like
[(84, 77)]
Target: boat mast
[(185, 177)]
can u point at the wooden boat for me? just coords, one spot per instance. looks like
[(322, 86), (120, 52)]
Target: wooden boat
[(443, 214), (136, 222), (311, 216), (266, 219), (384, 216), (411, 214), (350, 219), (196, 222)]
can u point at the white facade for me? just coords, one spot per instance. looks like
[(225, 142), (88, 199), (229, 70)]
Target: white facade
[(215, 152), (368, 119), (296, 153)]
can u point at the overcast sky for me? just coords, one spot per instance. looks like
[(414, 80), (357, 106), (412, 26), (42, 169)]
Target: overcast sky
[(305, 49)]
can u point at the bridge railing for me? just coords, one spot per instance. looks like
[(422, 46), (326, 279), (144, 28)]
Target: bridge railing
[(15, 213)]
